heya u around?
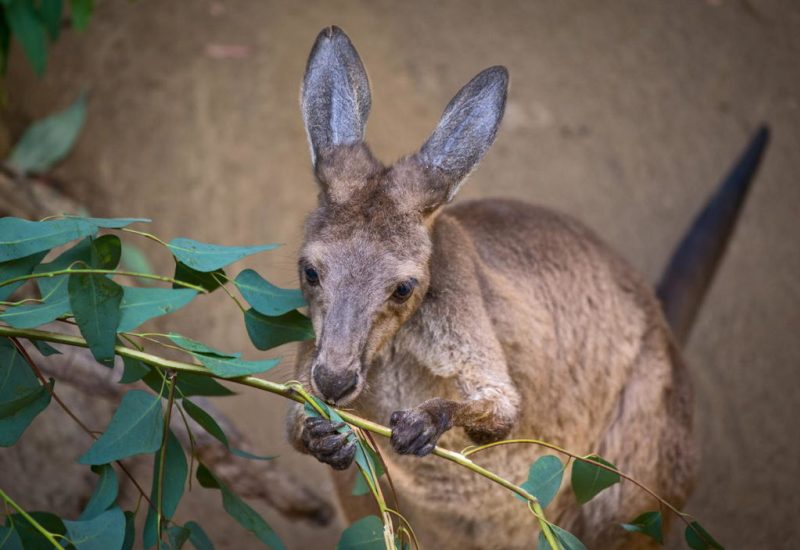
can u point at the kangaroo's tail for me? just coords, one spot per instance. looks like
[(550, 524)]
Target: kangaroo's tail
[(695, 260)]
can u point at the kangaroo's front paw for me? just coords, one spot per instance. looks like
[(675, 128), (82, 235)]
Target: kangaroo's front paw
[(416, 431), (326, 444)]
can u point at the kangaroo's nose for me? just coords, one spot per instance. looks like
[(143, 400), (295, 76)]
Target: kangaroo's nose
[(334, 385)]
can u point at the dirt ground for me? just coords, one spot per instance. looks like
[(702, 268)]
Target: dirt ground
[(622, 114)]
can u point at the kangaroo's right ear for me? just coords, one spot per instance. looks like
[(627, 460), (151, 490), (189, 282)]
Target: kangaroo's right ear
[(335, 97)]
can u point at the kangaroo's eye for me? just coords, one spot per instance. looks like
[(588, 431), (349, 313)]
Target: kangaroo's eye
[(404, 290), (311, 275)]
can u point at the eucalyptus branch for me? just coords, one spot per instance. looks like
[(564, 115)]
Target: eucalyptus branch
[(170, 380), (35, 524), (298, 394), (50, 274)]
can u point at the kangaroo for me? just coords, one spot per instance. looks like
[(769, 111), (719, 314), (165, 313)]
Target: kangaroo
[(485, 320)]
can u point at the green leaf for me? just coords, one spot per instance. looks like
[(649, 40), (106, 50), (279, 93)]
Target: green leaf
[(20, 238), (266, 298), (48, 141), (369, 460), (226, 367), (209, 281), (544, 479), (102, 532), (110, 223), (649, 524), (136, 427), (209, 257), (188, 384), (56, 304), (207, 422), (141, 304), (567, 540), (106, 252), (588, 480), (44, 348), (95, 302), (364, 534), (105, 492), (25, 25), (81, 13), (130, 531), (194, 346), (699, 539), (240, 510), (17, 382), (50, 13), (134, 370), (31, 538), (18, 268), (269, 332), (198, 537), (177, 536), (9, 539), (176, 472)]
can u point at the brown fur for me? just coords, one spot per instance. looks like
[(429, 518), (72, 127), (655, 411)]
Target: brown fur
[(522, 324)]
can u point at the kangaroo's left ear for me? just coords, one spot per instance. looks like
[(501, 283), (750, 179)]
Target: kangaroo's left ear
[(465, 132)]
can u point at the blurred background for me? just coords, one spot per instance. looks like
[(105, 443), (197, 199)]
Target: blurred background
[(624, 115)]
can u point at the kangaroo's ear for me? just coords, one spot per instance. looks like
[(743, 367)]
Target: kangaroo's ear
[(465, 132), (335, 97)]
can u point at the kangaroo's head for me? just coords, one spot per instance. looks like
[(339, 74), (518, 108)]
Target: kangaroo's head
[(364, 263)]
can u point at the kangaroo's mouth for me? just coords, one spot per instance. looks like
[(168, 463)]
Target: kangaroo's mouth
[(337, 390)]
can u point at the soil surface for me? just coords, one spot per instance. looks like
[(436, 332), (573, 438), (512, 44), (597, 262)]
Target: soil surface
[(624, 115)]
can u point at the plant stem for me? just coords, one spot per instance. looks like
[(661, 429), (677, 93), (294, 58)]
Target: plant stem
[(163, 455), (36, 525), (299, 395), (104, 272)]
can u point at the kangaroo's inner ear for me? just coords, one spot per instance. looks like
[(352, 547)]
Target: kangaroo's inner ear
[(335, 97), (465, 132)]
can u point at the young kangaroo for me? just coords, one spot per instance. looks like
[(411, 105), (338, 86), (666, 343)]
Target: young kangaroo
[(494, 316)]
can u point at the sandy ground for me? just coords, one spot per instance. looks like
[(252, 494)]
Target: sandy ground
[(623, 115)]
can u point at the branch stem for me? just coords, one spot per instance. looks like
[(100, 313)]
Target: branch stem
[(50, 274), (35, 524)]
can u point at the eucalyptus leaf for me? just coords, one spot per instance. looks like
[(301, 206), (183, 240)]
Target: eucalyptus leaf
[(648, 524), (177, 536), (209, 281), (134, 259), (133, 371), (364, 534), (95, 301), (567, 540), (9, 539), (20, 392), (699, 539), (198, 537), (209, 257), (105, 492), (588, 479), (240, 510), (106, 252), (31, 538), (49, 140), (130, 531), (18, 268), (265, 297), (103, 532), (197, 347), (110, 223), (20, 238), (207, 422), (81, 11), (50, 13), (176, 471), (137, 427), (56, 304), (544, 479), (25, 24), (226, 367), (142, 304), (269, 332), (44, 348)]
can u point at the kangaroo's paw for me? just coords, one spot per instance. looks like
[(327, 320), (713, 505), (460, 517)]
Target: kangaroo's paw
[(326, 444), (416, 431)]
